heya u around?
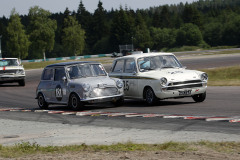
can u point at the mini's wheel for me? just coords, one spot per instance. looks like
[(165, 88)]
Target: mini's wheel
[(150, 97), (119, 102), (41, 101), (21, 82), (74, 102), (199, 97)]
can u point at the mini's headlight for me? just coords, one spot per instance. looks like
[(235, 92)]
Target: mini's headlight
[(86, 87), (204, 77), (119, 83), (163, 81)]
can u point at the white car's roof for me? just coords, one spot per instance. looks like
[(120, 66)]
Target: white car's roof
[(136, 56)]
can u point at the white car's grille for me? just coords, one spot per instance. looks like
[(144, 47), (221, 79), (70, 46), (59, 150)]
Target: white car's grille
[(101, 92), (8, 71), (184, 84)]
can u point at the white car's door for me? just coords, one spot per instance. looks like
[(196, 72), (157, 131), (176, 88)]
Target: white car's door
[(130, 79)]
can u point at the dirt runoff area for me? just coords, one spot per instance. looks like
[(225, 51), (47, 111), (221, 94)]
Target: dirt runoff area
[(134, 155)]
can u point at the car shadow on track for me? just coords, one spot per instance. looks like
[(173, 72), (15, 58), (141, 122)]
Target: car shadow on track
[(10, 85), (127, 103)]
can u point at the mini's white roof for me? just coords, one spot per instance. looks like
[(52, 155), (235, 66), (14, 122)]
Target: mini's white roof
[(136, 56)]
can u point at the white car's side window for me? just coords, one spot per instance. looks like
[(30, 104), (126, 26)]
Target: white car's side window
[(118, 68), (130, 66)]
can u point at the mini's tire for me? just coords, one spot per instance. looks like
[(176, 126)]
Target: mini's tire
[(199, 97), (41, 101), (150, 97), (21, 82), (75, 103), (118, 102)]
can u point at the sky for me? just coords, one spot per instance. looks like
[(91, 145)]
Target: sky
[(55, 6)]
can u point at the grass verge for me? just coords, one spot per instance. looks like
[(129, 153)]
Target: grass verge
[(26, 149), (225, 76)]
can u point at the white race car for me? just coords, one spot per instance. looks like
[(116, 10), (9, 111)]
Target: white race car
[(11, 71), (157, 76)]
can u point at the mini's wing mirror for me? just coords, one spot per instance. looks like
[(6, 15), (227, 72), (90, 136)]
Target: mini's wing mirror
[(64, 79)]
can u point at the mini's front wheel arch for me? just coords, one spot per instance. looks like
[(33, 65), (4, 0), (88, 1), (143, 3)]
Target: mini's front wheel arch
[(150, 96), (119, 102), (41, 101), (74, 102)]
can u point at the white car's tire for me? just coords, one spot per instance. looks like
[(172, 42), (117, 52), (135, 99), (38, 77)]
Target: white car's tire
[(150, 96), (199, 97)]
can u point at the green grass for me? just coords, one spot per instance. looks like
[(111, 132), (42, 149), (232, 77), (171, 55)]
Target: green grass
[(225, 76), (25, 148)]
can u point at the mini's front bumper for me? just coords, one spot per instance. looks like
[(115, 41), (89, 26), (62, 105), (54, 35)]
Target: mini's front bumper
[(103, 99)]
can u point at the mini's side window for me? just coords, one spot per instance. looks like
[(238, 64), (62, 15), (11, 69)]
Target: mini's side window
[(118, 68), (47, 74), (59, 74), (130, 66)]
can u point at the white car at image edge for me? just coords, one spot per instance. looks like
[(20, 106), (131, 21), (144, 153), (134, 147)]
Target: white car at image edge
[(11, 71), (158, 76)]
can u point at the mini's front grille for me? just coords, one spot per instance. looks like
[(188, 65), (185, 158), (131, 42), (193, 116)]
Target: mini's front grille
[(101, 92)]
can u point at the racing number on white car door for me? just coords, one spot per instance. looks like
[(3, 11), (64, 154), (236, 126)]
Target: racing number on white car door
[(126, 85)]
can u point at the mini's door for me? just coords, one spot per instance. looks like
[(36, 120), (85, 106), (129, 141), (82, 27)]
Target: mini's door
[(59, 86)]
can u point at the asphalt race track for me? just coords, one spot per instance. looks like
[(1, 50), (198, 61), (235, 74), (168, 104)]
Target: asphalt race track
[(213, 115)]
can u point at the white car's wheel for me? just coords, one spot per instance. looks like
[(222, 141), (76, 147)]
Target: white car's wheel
[(150, 97), (74, 102), (199, 97), (41, 101), (21, 82)]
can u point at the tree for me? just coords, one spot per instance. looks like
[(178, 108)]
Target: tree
[(73, 36), (189, 34), (165, 17), (141, 37), (192, 15), (213, 33), (100, 28), (163, 38), (122, 29), (17, 43), (42, 31)]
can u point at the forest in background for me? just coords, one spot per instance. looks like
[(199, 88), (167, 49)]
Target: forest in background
[(204, 24)]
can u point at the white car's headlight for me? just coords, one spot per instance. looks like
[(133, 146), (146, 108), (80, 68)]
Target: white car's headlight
[(20, 72), (204, 77), (86, 87), (163, 81), (119, 83)]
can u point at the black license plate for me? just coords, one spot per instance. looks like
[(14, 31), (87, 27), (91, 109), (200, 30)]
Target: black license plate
[(185, 93)]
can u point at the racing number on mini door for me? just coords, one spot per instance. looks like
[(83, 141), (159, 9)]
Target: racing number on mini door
[(126, 85)]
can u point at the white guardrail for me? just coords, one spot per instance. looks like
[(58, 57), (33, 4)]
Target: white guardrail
[(68, 58)]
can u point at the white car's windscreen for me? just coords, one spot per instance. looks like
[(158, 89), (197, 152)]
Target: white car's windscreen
[(8, 62), (158, 62)]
